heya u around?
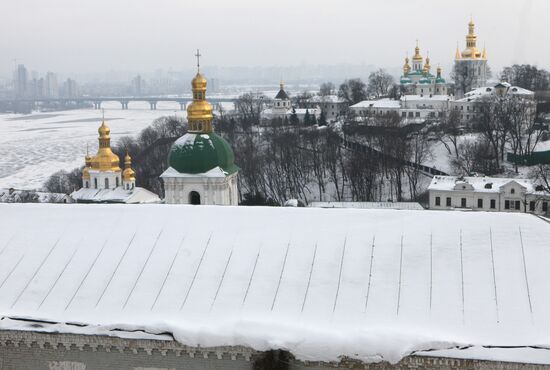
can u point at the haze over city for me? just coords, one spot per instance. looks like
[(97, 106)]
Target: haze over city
[(92, 37)]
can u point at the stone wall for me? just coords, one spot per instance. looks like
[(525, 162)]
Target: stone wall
[(21, 350)]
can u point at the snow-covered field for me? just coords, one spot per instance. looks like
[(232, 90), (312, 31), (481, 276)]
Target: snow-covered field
[(34, 146)]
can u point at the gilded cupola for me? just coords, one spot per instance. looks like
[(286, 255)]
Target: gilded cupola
[(105, 159), (128, 175), (417, 56), (406, 67), (199, 112), (471, 51)]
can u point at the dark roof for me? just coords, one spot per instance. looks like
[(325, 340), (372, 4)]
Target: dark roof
[(282, 95)]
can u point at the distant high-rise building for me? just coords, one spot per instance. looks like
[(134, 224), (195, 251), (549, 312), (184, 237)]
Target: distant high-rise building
[(70, 88), (137, 85), (51, 89), (21, 81)]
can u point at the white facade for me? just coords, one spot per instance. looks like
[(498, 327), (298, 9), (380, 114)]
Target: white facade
[(214, 187), (487, 194), (332, 106), (103, 180)]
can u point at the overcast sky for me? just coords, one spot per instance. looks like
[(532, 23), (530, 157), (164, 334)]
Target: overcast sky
[(83, 36)]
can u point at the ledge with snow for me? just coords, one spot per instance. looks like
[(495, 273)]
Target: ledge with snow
[(325, 285)]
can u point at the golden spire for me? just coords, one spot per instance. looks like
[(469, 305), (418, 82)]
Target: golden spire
[(88, 165), (199, 112), (457, 53), (128, 175), (439, 72), (471, 51), (417, 56), (105, 159)]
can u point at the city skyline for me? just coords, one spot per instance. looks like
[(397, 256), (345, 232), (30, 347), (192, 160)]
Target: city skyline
[(143, 36)]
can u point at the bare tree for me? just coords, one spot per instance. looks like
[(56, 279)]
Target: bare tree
[(527, 76), (463, 78), (353, 91), (327, 88), (379, 83), (449, 131)]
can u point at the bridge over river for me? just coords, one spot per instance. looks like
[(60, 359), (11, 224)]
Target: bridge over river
[(124, 101)]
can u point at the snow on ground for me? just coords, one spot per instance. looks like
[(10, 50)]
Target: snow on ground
[(370, 284), (34, 146)]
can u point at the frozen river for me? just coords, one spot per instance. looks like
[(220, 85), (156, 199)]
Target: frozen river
[(34, 146)]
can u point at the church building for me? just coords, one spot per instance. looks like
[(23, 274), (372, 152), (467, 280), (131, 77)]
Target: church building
[(470, 70), (418, 79), (103, 181), (201, 168)]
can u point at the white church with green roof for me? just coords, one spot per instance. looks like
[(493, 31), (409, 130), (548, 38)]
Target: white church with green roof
[(201, 163), (418, 79)]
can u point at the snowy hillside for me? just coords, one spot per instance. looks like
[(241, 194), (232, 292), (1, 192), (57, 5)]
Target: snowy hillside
[(322, 283)]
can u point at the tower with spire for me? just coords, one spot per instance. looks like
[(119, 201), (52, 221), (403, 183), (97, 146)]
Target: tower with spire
[(201, 168), (470, 67)]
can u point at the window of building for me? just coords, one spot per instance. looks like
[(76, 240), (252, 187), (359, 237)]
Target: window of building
[(532, 205), (517, 205), (411, 114), (493, 204), (117, 182), (506, 204), (417, 114), (448, 201), (512, 191), (480, 203), (461, 107), (87, 184), (545, 206), (95, 183), (468, 107), (437, 201), (403, 114), (463, 202), (106, 183)]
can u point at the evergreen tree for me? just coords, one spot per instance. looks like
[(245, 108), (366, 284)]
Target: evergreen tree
[(294, 117), (322, 119), (307, 118), (313, 120)]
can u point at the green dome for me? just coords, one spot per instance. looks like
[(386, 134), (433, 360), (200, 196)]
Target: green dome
[(440, 80), (199, 153)]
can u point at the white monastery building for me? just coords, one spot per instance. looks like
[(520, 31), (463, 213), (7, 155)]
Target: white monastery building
[(488, 194), (201, 163), (103, 181), (181, 287)]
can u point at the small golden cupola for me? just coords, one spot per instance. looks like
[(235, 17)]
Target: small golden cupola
[(199, 112), (105, 159), (87, 166), (128, 175), (427, 66), (406, 67)]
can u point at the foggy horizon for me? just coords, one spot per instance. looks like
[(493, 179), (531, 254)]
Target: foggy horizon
[(144, 36)]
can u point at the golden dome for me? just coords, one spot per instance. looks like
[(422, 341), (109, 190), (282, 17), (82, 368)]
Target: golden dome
[(406, 66), (417, 56), (199, 112), (199, 82), (471, 51), (128, 174), (104, 130), (105, 159)]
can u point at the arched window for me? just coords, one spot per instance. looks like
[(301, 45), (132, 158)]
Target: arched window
[(95, 183), (117, 182), (512, 191), (87, 184), (194, 198), (106, 183)]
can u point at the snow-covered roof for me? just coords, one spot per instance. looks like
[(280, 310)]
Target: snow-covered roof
[(370, 284), (490, 90), (116, 195), (326, 99), (17, 196), (369, 205), (478, 184), (214, 172), (380, 103), (424, 98)]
